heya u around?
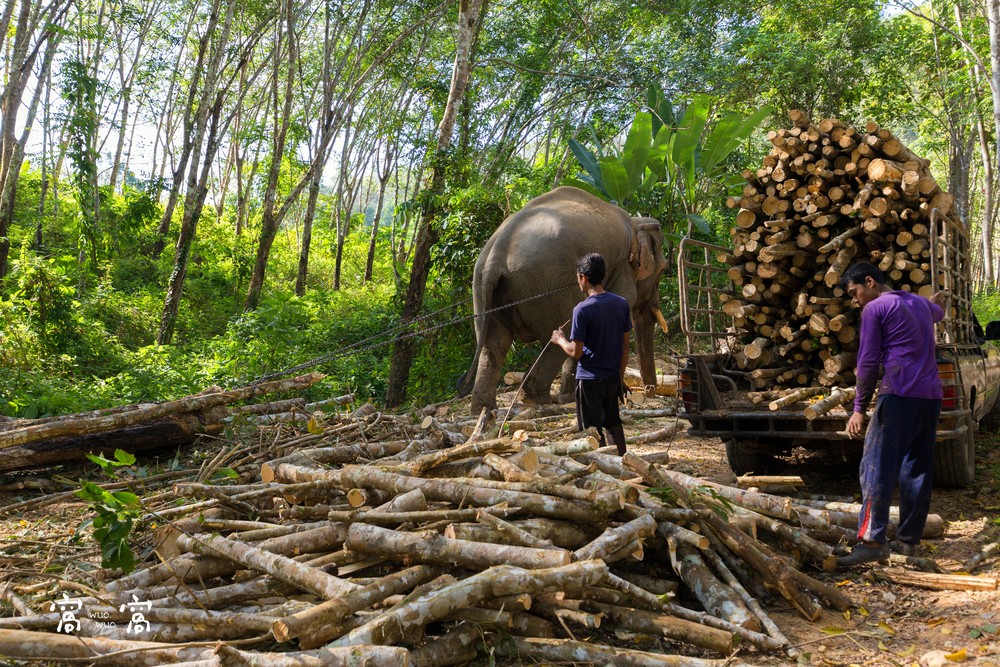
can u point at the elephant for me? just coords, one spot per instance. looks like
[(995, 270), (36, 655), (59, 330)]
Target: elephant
[(534, 252)]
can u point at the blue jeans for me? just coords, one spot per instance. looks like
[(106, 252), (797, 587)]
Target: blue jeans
[(899, 448)]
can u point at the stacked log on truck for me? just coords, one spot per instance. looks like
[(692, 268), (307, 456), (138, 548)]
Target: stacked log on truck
[(826, 196)]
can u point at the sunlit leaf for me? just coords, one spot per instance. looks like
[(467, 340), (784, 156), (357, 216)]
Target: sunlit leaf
[(616, 181), (961, 655), (833, 630), (585, 186), (636, 151), (588, 161)]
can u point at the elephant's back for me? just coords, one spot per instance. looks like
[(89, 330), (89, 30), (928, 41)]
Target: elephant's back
[(534, 252), (559, 227)]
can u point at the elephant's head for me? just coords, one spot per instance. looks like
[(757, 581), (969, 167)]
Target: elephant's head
[(648, 264)]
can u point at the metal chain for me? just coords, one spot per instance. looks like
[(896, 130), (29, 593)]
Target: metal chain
[(366, 344)]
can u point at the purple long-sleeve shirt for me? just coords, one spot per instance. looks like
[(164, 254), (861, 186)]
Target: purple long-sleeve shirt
[(897, 333)]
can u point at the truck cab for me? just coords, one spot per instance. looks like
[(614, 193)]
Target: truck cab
[(718, 399)]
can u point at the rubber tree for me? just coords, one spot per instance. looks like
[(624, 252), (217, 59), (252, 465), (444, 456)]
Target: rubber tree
[(469, 22), (215, 112), (361, 55), (29, 37)]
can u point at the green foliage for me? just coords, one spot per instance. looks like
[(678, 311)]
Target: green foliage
[(80, 89), (473, 214), (122, 458), (986, 306), (46, 297), (669, 161), (116, 512)]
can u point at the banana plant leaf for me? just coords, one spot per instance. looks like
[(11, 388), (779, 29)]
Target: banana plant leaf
[(731, 130), (660, 107), (687, 139), (699, 222), (589, 162), (637, 149), (585, 185), (616, 181)]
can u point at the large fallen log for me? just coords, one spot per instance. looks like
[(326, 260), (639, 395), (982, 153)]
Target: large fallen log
[(71, 427)]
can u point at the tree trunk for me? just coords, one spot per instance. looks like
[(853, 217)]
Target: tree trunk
[(986, 226), (307, 225), (469, 22), (34, 30)]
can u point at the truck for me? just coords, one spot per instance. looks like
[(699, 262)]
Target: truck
[(715, 395)]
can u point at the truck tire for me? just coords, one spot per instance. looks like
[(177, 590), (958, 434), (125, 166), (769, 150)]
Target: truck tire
[(955, 460), (744, 458)]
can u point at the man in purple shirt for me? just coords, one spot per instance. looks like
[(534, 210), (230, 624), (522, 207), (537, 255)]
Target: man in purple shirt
[(599, 341), (897, 335)]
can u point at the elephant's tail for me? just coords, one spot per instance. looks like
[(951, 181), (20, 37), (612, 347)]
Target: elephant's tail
[(468, 381)]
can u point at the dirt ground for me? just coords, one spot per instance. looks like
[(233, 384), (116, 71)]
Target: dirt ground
[(893, 624)]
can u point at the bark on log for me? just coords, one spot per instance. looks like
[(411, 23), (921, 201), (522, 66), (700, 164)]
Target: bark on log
[(677, 629), (280, 567), (434, 548), (170, 432), (434, 489), (616, 538), (717, 599), (457, 647), (793, 397), (939, 582), (638, 596), (355, 656), (47, 646), (395, 624), (320, 624), (571, 651), (74, 427), (836, 398)]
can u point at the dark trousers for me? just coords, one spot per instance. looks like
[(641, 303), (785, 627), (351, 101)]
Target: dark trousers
[(899, 448), (597, 405)]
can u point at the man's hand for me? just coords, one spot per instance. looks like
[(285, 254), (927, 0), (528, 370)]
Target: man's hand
[(856, 425), (939, 299), (558, 337)]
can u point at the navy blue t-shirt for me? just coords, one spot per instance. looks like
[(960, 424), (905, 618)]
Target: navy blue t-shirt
[(600, 323)]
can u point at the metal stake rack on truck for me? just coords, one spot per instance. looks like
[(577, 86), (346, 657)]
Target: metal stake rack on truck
[(715, 393)]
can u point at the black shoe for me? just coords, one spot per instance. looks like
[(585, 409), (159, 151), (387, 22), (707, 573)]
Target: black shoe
[(903, 548), (864, 554)]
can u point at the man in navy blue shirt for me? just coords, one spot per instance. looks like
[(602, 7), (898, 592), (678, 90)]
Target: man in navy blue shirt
[(599, 341)]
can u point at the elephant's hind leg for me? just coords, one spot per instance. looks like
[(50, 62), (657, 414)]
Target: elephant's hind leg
[(491, 358), (538, 385)]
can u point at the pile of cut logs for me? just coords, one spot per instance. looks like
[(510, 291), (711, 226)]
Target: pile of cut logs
[(827, 195), (371, 540)]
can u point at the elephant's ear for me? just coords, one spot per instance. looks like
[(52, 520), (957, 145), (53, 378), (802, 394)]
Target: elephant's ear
[(644, 254)]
